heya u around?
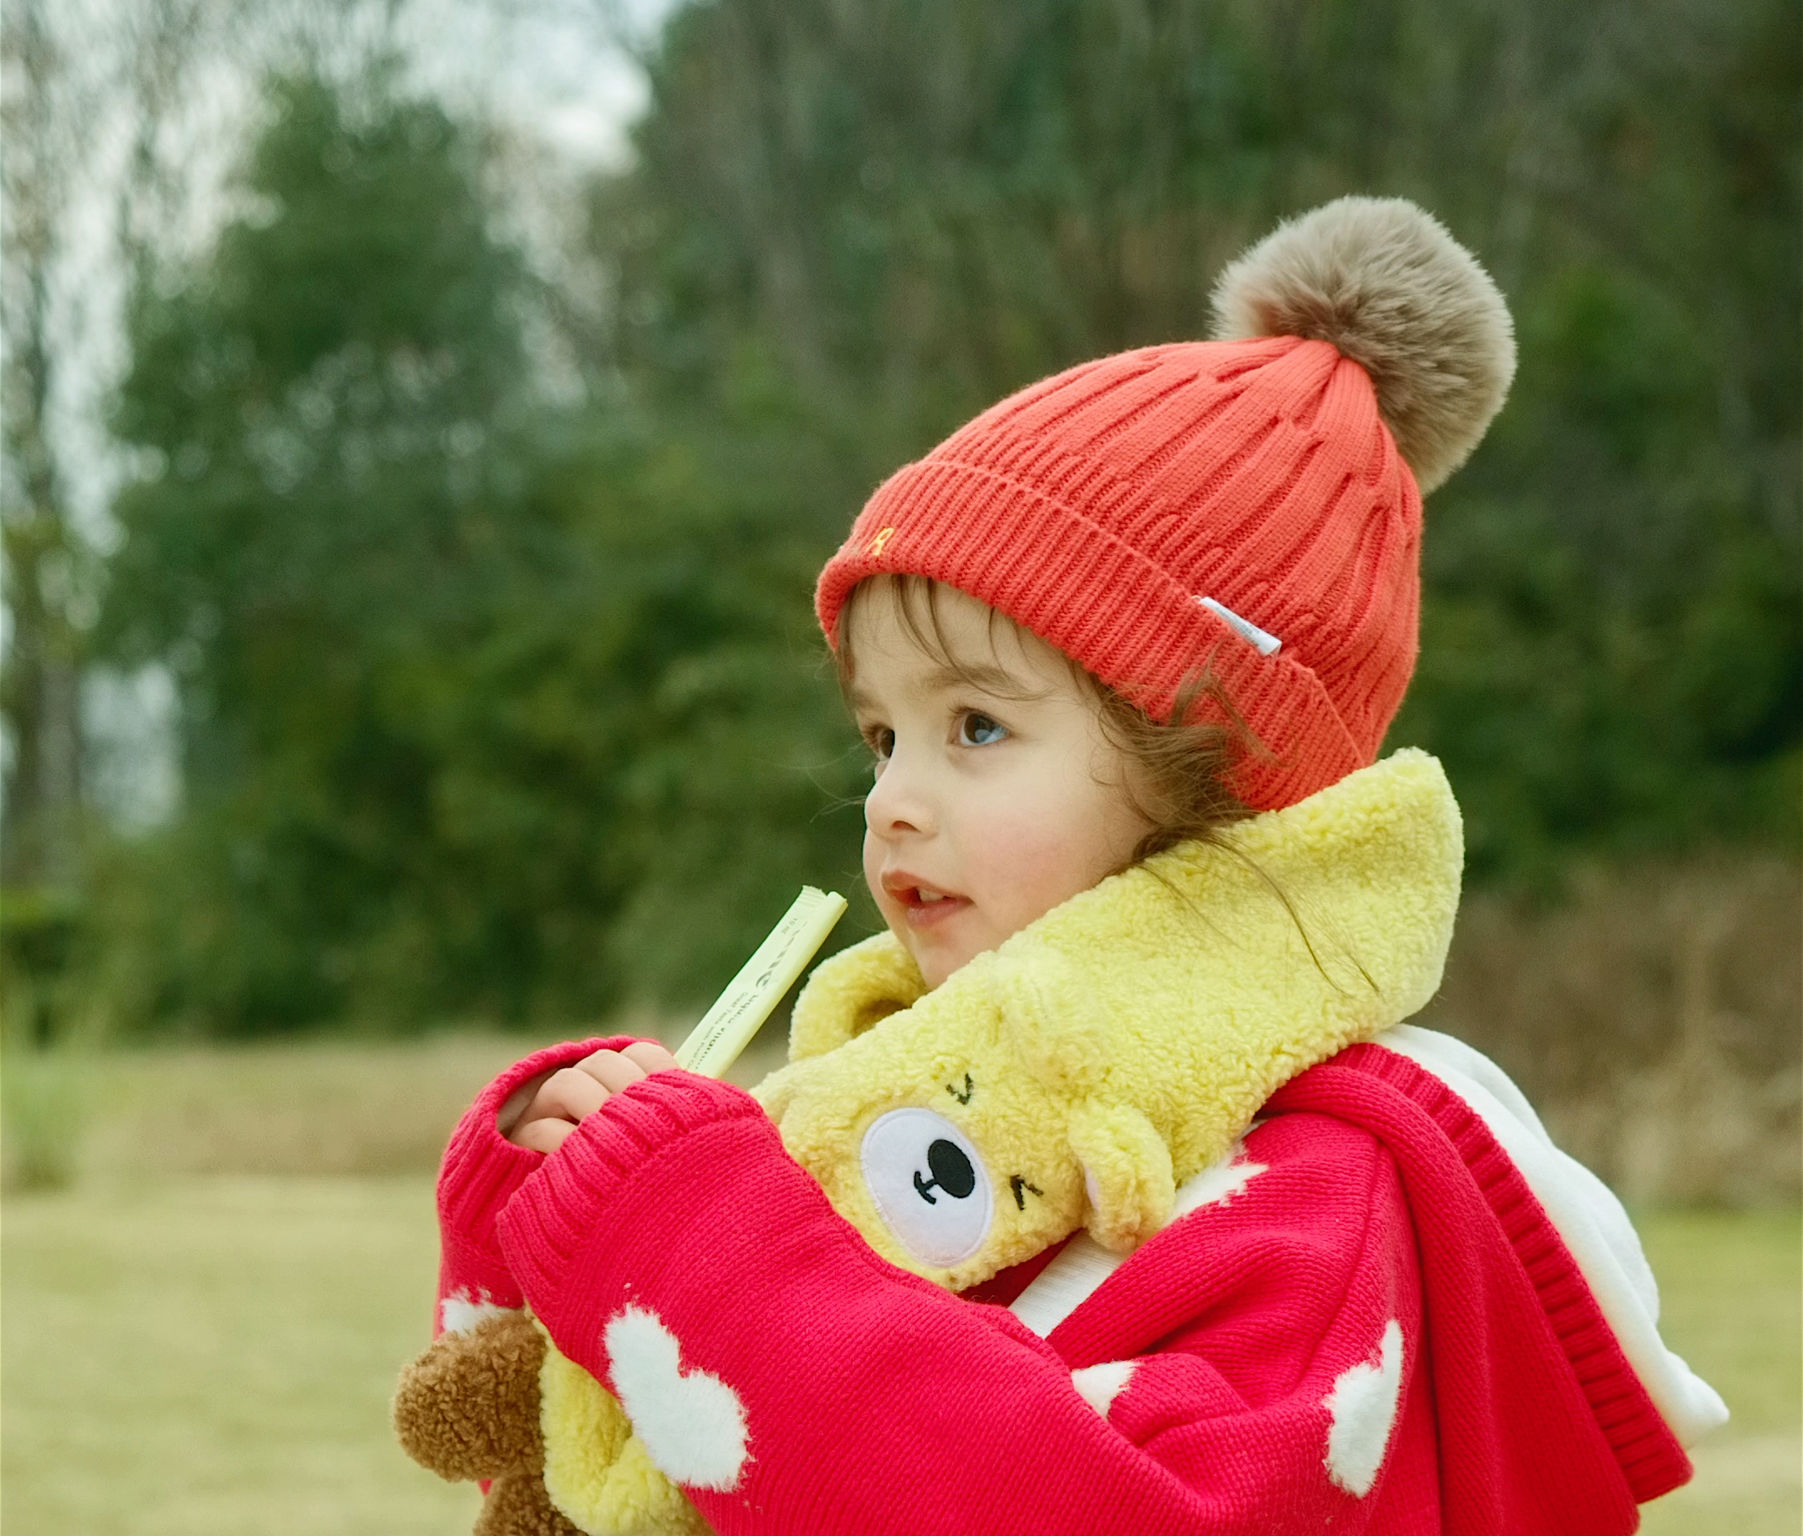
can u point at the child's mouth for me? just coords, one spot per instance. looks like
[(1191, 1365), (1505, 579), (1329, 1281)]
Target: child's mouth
[(926, 906)]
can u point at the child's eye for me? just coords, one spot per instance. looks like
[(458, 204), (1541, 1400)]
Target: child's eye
[(979, 730), (881, 741)]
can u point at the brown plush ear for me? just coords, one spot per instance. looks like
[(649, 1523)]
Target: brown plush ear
[(517, 1505), (468, 1407)]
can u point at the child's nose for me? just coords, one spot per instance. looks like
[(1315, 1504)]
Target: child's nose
[(899, 801)]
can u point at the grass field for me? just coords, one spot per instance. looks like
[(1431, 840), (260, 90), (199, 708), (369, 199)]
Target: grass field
[(187, 1351), (213, 1355), (210, 1355), (1731, 1285)]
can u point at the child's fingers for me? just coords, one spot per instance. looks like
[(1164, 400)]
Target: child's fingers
[(542, 1135), (513, 1111), (651, 1056), (567, 1094), (613, 1070)]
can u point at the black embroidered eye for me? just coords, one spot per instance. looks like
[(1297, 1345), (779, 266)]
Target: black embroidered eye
[(951, 1172), (962, 1095)]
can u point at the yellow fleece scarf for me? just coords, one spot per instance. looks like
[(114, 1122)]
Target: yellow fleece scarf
[(1120, 1044), (1077, 1074)]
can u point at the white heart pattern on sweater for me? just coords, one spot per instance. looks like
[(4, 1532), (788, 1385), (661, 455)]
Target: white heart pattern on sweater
[(692, 1424), (1363, 1406)]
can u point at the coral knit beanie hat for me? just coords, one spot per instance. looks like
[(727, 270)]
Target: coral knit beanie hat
[(1246, 508)]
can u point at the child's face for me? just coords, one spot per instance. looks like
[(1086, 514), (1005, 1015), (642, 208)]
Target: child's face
[(993, 801)]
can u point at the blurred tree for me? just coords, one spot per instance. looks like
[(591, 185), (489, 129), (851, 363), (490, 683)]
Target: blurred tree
[(46, 559), (1612, 647), (439, 644), (334, 415), (60, 81)]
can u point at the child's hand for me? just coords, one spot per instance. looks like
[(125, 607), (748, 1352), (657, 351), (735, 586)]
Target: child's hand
[(541, 1112)]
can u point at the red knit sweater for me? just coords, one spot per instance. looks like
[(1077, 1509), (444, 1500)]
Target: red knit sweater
[(1368, 1325)]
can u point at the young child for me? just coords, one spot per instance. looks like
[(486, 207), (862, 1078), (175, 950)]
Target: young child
[(1105, 623)]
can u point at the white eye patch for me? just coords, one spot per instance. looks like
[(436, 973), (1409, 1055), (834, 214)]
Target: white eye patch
[(929, 1185)]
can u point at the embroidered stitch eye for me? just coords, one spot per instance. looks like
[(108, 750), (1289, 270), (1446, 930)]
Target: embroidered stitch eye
[(929, 1184), (1022, 1187), (979, 730)]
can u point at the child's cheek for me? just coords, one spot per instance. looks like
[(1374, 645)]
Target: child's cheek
[(1036, 861), (873, 864)]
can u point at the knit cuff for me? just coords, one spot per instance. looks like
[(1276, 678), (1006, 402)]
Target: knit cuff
[(480, 1172), (554, 1216)]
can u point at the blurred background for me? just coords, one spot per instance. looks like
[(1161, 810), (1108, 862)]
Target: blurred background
[(423, 422)]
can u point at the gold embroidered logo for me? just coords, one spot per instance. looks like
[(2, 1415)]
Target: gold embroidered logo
[(882, 537)]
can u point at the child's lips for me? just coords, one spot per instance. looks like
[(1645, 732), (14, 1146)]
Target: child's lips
[(932, 914), (923, 906)]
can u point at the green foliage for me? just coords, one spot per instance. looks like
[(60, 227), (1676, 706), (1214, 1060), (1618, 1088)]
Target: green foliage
[(495, 706), (1612, 644), (351, 545), (445, 653), (45, 1099), (47, 1039)]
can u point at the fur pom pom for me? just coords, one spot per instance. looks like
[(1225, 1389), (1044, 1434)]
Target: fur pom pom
[(1388, 286)]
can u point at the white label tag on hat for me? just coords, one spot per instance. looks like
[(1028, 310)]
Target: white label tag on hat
[(1263, 641)]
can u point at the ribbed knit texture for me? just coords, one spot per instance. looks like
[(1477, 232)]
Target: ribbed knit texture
[(546, 1236), (1388, 1089), (480, 1171), (1097, 507)]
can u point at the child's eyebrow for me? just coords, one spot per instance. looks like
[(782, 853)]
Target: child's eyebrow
[(985, 677)]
